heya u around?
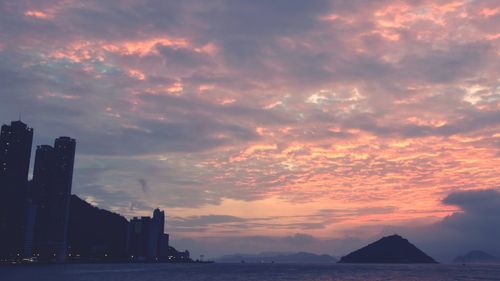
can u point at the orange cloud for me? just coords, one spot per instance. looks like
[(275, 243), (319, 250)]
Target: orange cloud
[(38, 14), (144, 47), (136, 74), (489, 12)]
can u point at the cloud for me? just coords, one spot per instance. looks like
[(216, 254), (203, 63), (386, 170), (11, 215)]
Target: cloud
[(475, 226), (242, 225), (144, 185), (475, 202), (371, 109), (200, 221)]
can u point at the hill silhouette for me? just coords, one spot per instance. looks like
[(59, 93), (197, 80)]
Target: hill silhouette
[(95, 233), (390, 249), (476, 257)]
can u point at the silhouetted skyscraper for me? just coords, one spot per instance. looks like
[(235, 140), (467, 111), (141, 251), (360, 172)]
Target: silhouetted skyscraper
[(64, 148), (52, 181), (42, 189), (43, 172), (164, 247), (157, 227), (138, 238), (146, 240), (15, 151)]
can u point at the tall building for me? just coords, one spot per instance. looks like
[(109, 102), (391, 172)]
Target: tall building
[(138, 238), (52, 182), (41, 191), (157, 227), (164, 247), (64, 149), (146, 240), (15, 152)]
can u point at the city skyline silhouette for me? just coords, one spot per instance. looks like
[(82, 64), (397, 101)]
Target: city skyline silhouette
[(40, 219)]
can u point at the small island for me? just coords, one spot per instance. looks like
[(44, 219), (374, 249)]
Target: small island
[(477, 257), (390, 249)]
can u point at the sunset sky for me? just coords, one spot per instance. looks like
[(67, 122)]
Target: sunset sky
[(269, 125)]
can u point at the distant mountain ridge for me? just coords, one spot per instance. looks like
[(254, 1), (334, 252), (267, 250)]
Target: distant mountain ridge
[(389, 249), (277, 257), (476, 257)]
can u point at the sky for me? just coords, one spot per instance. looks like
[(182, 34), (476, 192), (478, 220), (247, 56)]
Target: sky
[(278, 125)]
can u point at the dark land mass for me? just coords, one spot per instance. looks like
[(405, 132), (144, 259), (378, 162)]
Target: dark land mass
[(477, 257), (301, 257), (97, 235), (390, 249)]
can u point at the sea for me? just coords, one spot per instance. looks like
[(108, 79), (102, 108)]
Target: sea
[(246, 272)]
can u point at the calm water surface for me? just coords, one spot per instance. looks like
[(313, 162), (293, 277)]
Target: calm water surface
[(237, 272)]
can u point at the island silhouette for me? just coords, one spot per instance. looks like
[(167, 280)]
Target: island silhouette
[(478, 257), (389, 249)]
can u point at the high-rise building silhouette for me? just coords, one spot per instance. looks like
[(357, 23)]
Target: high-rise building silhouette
[(52, 181), (157, 228), (138, 238), (146, 240), (41, 189), (64, 148), (15, 152), (164, 247)]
